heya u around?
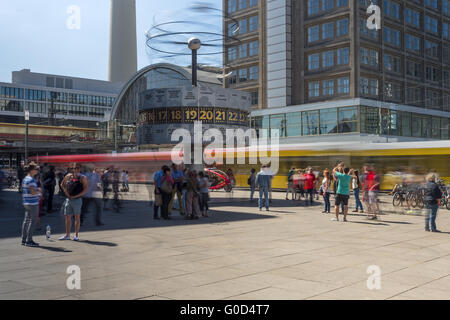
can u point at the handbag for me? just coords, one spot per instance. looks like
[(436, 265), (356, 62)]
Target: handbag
[(158, 200), (321, 190), (166, 186)]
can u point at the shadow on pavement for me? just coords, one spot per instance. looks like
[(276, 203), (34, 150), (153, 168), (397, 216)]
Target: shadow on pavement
[(55, 249), (372, 223), (99, 243)]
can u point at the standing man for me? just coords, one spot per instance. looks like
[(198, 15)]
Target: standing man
[(30, 196), (177, 176), (310, 183), (75, 187), (21, 174), (157, 179), (343, 190), (432, 199), (93, 181), (373, 185), (252, 183), (264, 183)]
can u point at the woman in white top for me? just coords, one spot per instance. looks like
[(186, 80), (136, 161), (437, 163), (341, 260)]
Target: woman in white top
[(356, 185), (326, 183)]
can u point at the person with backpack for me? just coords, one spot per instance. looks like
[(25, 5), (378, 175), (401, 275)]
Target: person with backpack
[(75, 186), (432, 198), (290, 186), (252, 183), (166, 190)]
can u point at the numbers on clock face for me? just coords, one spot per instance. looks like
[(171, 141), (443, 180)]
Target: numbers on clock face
[(189, 115)]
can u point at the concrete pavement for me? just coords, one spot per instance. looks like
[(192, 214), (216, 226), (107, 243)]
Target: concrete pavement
[(291, 252)]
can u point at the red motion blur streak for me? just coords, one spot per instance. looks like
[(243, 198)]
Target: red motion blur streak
[(220, 185), (120, 157)]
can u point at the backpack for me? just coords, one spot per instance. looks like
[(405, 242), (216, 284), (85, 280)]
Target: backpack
[(166, 186)]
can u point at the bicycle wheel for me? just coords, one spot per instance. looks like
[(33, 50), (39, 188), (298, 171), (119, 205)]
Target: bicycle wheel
[(396, 200), (412, 200), (419, 202), (447, 204)]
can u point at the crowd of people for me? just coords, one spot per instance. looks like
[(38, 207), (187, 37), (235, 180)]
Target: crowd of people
[(82, 187), (189, 186)]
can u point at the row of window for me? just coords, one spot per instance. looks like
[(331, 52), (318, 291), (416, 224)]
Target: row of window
[(242, 51), (43, 108), (328, 31), (355, 119), (328, 59), (319, 6), (329, 87), (244, 75), (391, 7), (63, 97), (237, 5), (244, 26)]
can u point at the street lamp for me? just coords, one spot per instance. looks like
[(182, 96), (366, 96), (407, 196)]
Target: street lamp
[(194, 44), (115, 135), (27, 119)]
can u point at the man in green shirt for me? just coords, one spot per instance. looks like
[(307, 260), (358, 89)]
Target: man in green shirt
[(343, 190)]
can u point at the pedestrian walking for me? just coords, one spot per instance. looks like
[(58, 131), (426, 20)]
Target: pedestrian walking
[(252, 183), (356, 186), (166, 189), (30, 200), (326, 190), (373, 186), (177, 176), (432, 201), (290, 185), (343, 190), (158, 196), (204, 193), (310, 181), (92, 197), (192, 196), (75, 187), (264, 183)]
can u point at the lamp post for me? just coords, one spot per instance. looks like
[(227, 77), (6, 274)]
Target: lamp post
[(115, 135), (194, 44), (27, 119)]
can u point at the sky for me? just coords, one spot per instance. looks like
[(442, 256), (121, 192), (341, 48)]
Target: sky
[(34, 34)]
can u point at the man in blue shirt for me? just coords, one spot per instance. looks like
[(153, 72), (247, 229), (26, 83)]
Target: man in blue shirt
[(264, 183), (30, 196), (177, 176), (157, 179)]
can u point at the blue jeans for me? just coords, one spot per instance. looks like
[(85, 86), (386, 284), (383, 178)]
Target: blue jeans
[(358, 202), (326, 198), (264, 190), (430, 216)]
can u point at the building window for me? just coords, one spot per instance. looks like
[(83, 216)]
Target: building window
[(243, 75), (253, 3), (313, 61), (446, 6), (327, 5), (253, 73), (232, 6), (431, 25), (255, 97), (432, 4), (314, 89), (348, 120), (243, 26), (365, 32), (391, 9), (313, 34), (370, 120), (343, 85), (328, 87), (253, 23), (293, 124), (341, 3), (327, 59), (414, 69), (412, 17), (310, 123), (278, 122), (232, 54), (446, 30), (232, 79), (328, 121), (243, 50), (393, 91), (392, 63), (342, 27), (343, 56), (313, 7), (369, 57), (328, 31), (412, 43), (392, 36), (431, 49), (242, 4), (253, 48)]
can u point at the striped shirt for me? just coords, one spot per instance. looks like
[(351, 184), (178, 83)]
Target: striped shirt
[(28, 198)]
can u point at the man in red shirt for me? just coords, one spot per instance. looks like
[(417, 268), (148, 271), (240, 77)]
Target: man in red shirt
[(310, 182)]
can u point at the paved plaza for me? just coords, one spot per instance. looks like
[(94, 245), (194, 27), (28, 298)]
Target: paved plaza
[(292, 252)]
